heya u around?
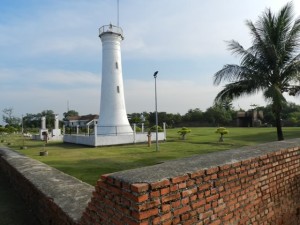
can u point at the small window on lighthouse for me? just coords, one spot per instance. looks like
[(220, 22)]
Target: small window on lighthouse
[(117, 66), (118, 89)]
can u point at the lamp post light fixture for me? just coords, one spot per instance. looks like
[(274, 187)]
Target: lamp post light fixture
[(156, 117)]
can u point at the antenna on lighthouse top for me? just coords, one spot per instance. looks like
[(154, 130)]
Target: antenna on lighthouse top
[(118, 13)]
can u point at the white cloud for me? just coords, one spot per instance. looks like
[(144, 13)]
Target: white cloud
[(61, 37)]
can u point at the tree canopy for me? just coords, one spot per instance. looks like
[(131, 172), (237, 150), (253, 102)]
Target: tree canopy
[(270, 65)]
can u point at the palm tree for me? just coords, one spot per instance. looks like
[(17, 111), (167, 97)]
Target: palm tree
[(270, 65)]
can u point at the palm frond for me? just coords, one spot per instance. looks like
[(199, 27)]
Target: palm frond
[(274, 93), (237, 89)]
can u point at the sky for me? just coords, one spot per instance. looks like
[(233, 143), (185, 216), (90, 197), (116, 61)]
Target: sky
[(51, 55)]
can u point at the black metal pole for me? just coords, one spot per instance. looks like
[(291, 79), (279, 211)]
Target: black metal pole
[(156, 116)]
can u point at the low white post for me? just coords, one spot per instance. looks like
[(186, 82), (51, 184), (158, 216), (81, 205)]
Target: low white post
[(134, 132), (77, 129), (165, 131), (142, 128), (95, 133)]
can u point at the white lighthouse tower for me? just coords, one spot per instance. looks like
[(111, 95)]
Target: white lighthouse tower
[(113, 117)]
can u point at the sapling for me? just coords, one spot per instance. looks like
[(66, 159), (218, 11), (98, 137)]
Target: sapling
[(222, 131)]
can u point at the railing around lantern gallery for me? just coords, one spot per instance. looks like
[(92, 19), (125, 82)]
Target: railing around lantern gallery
[(110, 29)]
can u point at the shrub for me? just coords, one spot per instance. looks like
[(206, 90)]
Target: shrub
[(153, 129), (183, 132), (222, 131)]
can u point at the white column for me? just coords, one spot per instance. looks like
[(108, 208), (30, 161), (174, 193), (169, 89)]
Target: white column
[(56, 122), (43, 123)]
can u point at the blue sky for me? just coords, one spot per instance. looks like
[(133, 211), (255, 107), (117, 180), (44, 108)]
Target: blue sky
[(51, 53)]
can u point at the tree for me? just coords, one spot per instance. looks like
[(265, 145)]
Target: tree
[(193, 115), (222, 131), (183, 132), (270, 65), (9, 118), (70, 113), (218, 115)]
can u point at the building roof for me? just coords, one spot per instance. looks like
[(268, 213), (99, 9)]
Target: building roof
[(88, 117)]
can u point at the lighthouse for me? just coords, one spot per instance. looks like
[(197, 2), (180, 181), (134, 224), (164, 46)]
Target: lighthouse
[(113, 117)]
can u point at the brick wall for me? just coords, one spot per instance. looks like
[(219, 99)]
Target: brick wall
[(252, 185), (54, 197)]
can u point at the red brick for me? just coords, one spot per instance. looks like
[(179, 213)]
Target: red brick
[(185, 201), (176, 204), (179, 179), (207, 206), (225, 167), (190, 183), (182, 210), (155, 194), (147, 205), (140, 187), (165, 191), (189, 192), (159, 184), (175, 187), (197, 174), (216, 222), (144, 214), (170, 197), (212, 198), (104, 176), (139, 198), (206, 214), (198, 203), (166, 207), (212, 170), (181, 185), (185, 217), (204, 186), (193, 198), (228, 217), (214, 176), (162, 218)]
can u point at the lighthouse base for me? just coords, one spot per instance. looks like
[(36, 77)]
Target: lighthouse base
[(114, 130), (109, 140)]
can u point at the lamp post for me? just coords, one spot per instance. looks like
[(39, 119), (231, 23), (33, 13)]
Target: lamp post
[(156, 117)]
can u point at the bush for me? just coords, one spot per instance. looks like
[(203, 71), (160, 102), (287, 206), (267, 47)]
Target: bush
[(183, 132), (138, 129), (153, 129), (222, 131)]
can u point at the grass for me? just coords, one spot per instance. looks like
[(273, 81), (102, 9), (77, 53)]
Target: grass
[(88, 163)]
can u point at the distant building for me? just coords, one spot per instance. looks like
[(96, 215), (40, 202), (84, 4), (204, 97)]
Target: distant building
[(251, 118), (81, 121)]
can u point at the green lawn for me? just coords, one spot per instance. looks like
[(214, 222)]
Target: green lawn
[(88, 163)]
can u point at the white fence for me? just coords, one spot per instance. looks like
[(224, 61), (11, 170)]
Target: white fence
[(102, 140)]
